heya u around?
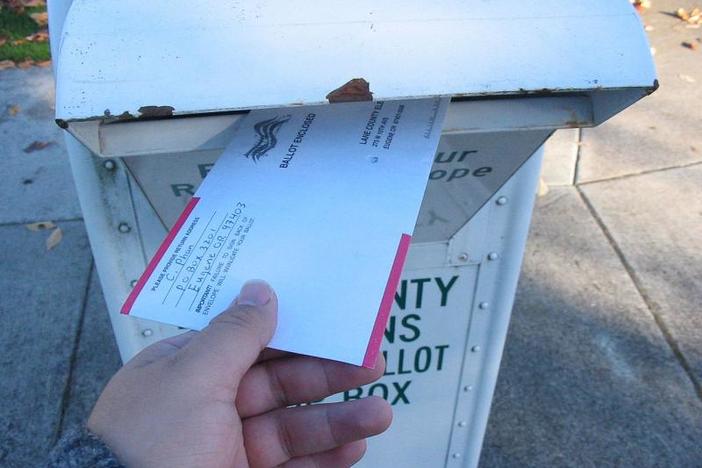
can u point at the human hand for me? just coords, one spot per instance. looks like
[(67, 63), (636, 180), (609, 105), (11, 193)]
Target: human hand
[(216, 398)]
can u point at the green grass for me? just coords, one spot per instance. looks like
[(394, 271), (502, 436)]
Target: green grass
[(18, 26)]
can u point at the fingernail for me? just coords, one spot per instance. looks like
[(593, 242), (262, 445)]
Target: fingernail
[(255, 293)]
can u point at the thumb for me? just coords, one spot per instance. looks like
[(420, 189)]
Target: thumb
[(231, 343)]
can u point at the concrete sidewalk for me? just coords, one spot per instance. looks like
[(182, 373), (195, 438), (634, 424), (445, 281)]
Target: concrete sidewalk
[(603, 362)]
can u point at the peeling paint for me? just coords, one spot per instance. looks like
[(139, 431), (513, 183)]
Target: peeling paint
[(155, 111), (355, 90), (577, 124), (574, 122)]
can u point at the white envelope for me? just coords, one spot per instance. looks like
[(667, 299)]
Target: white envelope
[(318, 201)]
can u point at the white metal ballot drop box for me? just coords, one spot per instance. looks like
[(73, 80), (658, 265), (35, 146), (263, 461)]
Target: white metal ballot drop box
[(149, 93)]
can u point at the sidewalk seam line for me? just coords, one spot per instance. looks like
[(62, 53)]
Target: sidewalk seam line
[(66, 396), (578, 153), (646, 172), (649, 303)]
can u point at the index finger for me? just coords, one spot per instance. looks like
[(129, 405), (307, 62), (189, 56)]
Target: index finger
[(278, 383)]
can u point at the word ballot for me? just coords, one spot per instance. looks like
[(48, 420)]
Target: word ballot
[(320, 202)]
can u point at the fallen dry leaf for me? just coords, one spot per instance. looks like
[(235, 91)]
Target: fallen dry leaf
[(14, 5), (13, 110), (689, 45), (25, 64), (694, 16), (5, 64), (641, 5), (54, 238), (17, 42), (40, 226), (43, 63), (543, 188), (42, 19), (37, 146), (686, 78), (40, 36), (18, 6)]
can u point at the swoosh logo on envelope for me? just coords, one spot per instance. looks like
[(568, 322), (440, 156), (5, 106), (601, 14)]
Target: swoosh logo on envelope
[(266, 131)]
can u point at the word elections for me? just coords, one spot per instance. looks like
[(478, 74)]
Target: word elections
[(406, 329), (297, 141), (370, 124), (449, 173)]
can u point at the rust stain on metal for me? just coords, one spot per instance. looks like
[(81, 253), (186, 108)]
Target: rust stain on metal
[(125, 116), (155, 111), (574, 122), (355, 90), (578, 123)]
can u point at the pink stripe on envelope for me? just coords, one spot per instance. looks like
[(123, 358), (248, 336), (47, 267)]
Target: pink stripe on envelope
[(127, 307), (381, 319)]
